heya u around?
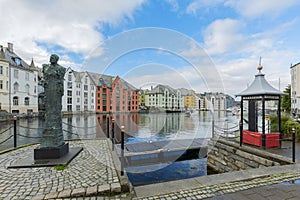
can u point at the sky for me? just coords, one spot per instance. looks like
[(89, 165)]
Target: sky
[(204, 45)]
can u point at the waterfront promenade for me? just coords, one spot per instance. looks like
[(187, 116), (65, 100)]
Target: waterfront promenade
[(94, 174)]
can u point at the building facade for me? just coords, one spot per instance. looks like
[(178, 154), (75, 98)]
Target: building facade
[(295, 89), (19, 80), (79, 92), (165, 98), (189, 98)]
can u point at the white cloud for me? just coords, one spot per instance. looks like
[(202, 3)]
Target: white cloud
[(71, 25), (193, 7), (223, 35), (258, 8)]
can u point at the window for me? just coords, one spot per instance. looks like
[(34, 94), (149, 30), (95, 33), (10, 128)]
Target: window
[(34, 89), (15, 101), (104, 96), (104, 102), (16, 73), (78, 100), (1, 84), (69, 93), (69, 77), (1, 69), (85, 101), (34, 78), (69, 85), (69, 107), (27, 88), (7, 85), (27, 76), (26, 101), (77, 108), (78, 85), (104, 90), (17, 61), (86, 80), (78, 93), (69, 100), (85, 94), (7, 71), (16, 87), (85, 87), (92, 101), (92, 94)]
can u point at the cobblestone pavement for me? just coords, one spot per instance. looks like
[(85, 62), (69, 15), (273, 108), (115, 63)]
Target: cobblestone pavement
[(247, 189), (90, 173)]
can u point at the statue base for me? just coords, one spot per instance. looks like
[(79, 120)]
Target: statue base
[(51, 152)]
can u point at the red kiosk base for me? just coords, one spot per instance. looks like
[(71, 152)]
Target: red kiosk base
[(255, 138)]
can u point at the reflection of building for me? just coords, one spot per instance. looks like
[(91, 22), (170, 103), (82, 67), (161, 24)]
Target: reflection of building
[(18, 83), (295, 89), (164, 97), (229, 101), (189, 97)]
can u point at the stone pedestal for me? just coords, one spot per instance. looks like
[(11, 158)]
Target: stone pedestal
[(51, 152)]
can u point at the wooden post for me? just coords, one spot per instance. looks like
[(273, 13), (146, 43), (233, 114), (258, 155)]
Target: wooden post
[(122, 150), (241, 123), (113, 134), (107, 126), (15, 131), (293, 143)]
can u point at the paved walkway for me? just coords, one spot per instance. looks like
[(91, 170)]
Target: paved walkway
[(247, 184), (93, 172)]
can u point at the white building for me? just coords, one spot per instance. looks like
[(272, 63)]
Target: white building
[(19, 83), (163, 97), (79, 92), (295, 89)]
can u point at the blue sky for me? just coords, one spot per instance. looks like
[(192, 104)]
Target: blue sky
[(205, 45)]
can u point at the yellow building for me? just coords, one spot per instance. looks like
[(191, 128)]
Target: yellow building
[(189, 98)]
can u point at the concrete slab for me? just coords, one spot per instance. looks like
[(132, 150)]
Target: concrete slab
[(29, 162), (166, 187)]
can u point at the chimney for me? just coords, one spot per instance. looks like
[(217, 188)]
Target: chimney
[(10, 47)]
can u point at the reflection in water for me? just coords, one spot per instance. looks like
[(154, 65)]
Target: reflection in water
[(138, 127)]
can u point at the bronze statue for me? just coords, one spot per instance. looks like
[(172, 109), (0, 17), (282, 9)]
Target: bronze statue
[(53, 82)]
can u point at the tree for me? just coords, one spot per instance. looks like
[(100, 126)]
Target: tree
[(286, 100)]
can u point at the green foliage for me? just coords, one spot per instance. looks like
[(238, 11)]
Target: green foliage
[(61, 167), (287, 124), (286, 100)]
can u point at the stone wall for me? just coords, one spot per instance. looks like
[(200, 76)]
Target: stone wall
[(226, 156)]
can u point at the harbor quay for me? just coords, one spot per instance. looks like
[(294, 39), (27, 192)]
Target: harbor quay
[(95, 174), (92, 173)]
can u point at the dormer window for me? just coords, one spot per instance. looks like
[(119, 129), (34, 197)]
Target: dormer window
[(18, 61)]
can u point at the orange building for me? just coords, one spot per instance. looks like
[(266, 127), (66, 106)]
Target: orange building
[(114, 94), (124, 96)]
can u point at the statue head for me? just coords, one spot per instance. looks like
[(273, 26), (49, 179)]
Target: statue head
[(54, 58)]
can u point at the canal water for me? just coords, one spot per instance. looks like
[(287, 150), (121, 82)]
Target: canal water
[(138, 128)]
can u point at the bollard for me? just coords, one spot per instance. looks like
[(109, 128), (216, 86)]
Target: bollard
[(113, 134), (15, 131), (293, 143), (107, 126), (122, 150)]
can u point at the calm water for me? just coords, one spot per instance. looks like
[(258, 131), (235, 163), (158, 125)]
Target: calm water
[(138, 127)]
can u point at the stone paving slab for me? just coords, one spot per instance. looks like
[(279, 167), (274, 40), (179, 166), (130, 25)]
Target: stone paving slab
[(92, 168), (28, 161)]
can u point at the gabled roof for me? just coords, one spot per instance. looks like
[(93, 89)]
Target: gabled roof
[(260, 87), (160, 89), (14, 60), (100, 79)]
